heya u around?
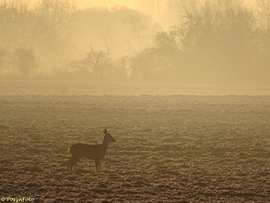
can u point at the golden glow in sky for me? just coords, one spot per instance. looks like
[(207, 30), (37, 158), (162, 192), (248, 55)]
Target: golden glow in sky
[(98, 3), (108, 3), (105, 3)]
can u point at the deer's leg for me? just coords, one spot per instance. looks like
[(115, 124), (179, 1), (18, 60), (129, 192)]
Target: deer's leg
[(71, 170), (68, 168), (69, 165), (72, 162), (97, 165)]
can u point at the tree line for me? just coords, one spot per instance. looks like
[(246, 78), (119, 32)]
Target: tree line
[(210, 42)]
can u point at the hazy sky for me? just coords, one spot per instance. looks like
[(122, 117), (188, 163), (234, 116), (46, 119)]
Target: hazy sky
[(135, 4), (109, 3), (91, 3)]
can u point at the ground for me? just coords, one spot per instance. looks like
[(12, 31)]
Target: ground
[(169, 148)]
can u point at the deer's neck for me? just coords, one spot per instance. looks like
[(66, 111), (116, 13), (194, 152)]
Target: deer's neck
[(104, 146)]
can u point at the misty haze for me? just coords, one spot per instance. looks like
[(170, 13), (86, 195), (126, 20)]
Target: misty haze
[(147, 101)]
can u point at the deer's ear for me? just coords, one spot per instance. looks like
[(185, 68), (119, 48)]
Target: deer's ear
[(105, 130)]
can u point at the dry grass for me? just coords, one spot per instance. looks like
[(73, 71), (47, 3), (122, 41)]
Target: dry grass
[(167, 149)]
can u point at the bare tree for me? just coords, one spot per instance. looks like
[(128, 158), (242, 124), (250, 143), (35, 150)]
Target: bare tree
[(25, 62), (16, 30), (103, 24), (154, 8), (96, 61), (136, 25), (53, 32), (264, 12)]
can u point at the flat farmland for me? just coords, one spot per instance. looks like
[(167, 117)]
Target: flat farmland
[(169, 148)]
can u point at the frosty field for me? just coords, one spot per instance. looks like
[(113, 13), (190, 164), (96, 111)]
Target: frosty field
[(169, 148)]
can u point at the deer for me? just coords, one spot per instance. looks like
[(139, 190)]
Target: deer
[(95, 152)]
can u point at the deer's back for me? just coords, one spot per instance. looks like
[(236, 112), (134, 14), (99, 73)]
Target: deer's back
[(87, 151)]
